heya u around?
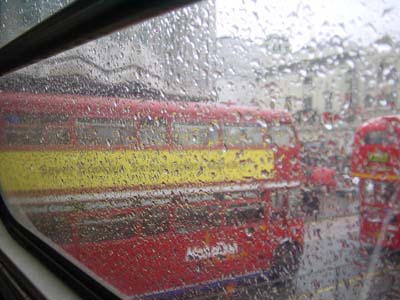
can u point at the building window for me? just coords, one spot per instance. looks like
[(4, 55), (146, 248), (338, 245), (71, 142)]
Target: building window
[(368, 101), (288, 103), (328, 100), (307, 103), (349, 85), (308, 81)]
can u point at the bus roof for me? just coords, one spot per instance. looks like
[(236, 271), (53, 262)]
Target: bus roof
[(122, 107), (379, 123)]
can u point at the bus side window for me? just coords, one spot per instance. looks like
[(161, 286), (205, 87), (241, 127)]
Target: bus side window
[(279, 207), (97, 229), (153, 132), (109, 132), (185, 134), (197, 218), (244, 213), (242, 135), (155, 221), (295, 202)]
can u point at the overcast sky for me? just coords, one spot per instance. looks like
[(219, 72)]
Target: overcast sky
[(360, 21)]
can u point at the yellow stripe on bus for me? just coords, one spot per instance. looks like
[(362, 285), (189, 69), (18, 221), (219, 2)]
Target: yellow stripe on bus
[(58, 170)]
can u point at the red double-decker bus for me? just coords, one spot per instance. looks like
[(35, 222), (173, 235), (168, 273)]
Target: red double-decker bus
[(156, 198), (376, 162)]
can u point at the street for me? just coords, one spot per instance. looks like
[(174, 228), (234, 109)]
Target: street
[(333, 267)]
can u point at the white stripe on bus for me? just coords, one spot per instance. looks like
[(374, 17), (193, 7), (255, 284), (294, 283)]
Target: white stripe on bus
[(126, 195)]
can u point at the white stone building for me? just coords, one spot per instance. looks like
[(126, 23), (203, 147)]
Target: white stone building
[(329, 88), (337, 79)]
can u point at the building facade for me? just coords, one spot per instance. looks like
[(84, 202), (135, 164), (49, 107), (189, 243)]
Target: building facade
[(329, 89)]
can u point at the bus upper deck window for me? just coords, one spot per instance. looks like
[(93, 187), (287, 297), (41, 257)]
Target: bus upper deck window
[(58, 136), (36, 129), (186, 134), (153, 132), (24, 136), (281, 135), (376, 138), (242, 135), (97, 131)]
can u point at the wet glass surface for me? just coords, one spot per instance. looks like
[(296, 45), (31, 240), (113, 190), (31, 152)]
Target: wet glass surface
[(226, 150)]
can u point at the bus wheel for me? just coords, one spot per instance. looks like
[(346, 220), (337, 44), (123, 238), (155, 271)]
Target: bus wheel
[(287, 261)]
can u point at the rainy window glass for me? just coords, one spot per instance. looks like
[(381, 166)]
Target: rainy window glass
[(194, 134), (242, 135), (225, 149)]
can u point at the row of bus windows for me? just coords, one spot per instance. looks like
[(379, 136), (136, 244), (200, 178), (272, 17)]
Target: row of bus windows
[(135, 202), (98, 131), (148, 223)]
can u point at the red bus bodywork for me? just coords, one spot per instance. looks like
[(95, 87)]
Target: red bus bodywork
[(376, 162), (131, 235)]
